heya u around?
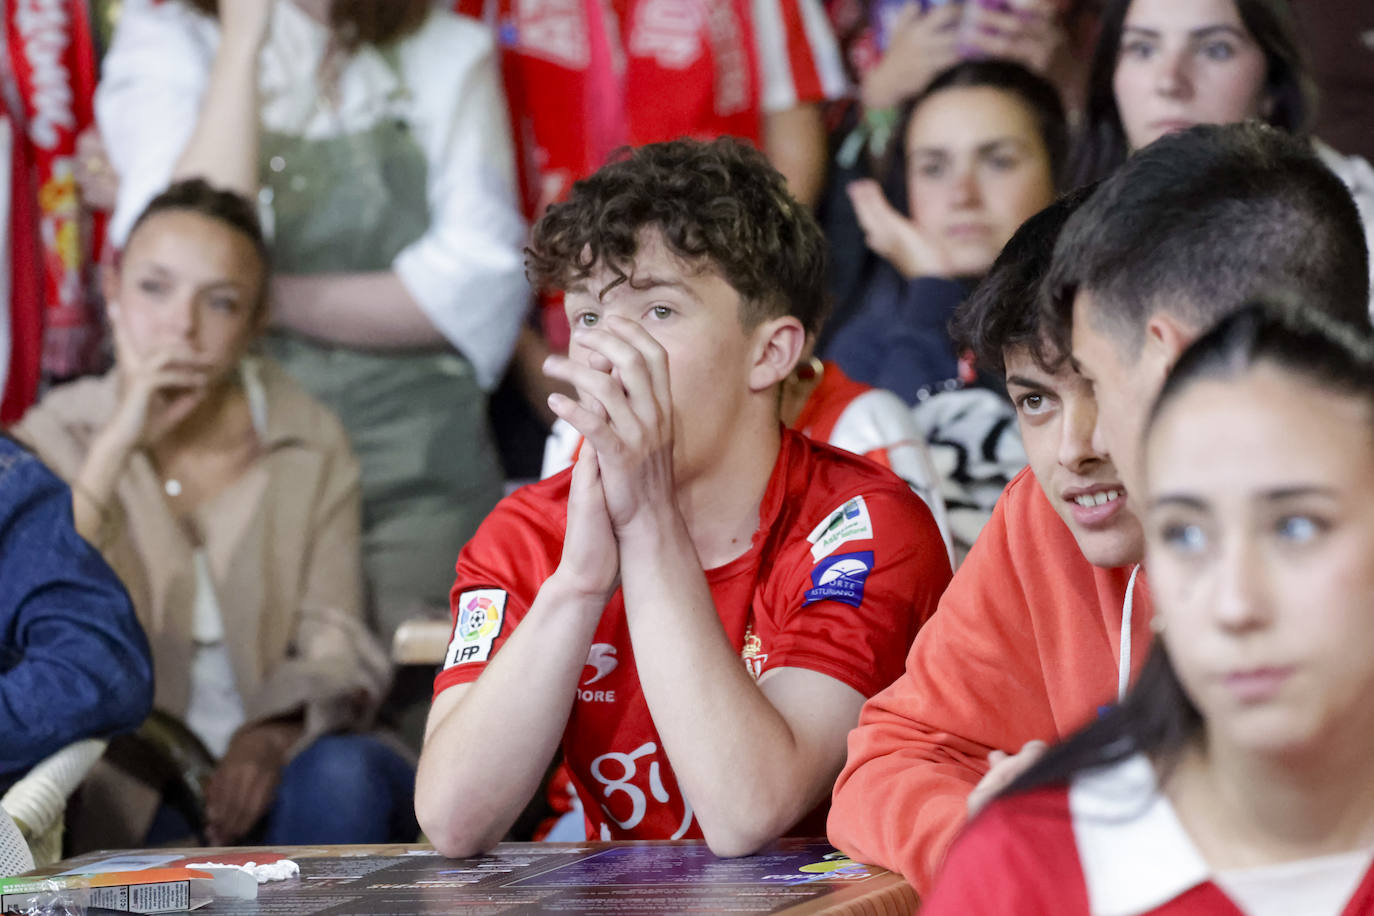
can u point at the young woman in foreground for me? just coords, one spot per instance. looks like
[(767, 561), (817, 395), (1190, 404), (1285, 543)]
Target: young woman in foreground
[(1237, 777)]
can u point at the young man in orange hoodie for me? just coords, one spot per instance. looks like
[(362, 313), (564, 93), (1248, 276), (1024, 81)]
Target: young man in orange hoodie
[(1047, 618)]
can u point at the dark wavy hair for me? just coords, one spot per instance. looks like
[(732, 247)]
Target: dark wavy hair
[(1158, 717), (196, 195), (718, 204), (1004, 310), (361, 22), (1037, 94), (1101, 143)]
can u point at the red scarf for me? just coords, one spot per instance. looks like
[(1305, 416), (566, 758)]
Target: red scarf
[(52, 78)]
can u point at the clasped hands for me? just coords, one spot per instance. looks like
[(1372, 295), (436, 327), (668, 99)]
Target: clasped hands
[(622, 483)]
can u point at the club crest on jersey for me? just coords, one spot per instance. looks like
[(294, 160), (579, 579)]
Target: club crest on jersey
[(850, 522), (840, 578), (480, 614), (752, 652)]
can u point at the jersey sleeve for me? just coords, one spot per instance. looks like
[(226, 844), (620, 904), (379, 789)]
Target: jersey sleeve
[(499, 573), (857, 590), (972, 684), (798, 58), (879, 425)]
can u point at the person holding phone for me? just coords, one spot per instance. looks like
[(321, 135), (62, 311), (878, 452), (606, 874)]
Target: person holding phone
[(909, 41)]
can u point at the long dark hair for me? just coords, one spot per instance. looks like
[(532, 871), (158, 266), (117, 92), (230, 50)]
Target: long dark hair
[(1036, 93), (1158, 718), (361, 22), (1101, 143)]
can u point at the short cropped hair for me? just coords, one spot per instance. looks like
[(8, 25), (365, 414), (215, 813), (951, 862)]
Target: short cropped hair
[(1004, 310), (1201, 221), (1102, 145), (718, 204)]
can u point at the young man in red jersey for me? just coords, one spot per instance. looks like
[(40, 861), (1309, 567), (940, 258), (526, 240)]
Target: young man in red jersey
[(697, 609)]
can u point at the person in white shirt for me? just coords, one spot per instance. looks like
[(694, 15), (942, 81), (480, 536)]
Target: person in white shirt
[(375, 139)]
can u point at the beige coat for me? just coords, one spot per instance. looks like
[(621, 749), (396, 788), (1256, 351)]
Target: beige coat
[(283, 548)]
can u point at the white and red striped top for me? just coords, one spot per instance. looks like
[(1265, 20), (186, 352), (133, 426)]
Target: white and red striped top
[(584, 77)]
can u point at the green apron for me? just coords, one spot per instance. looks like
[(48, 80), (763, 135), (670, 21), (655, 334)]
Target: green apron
[(417, 420)]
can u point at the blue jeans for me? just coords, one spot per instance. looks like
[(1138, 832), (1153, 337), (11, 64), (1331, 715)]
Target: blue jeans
[(344, 789)]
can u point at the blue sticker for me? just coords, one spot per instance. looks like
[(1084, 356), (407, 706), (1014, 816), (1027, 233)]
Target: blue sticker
[(840, 578)]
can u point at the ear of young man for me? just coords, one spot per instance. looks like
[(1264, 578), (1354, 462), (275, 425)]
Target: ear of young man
[(1166, 337), (778, 345)]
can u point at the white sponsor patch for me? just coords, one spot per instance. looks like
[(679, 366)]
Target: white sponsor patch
[(849, 522), (480, 614), (601, 659)]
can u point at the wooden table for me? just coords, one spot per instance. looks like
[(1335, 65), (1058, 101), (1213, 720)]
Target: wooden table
[(792, 876)]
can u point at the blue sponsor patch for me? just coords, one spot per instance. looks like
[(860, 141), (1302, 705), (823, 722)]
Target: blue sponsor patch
[(840, 578)]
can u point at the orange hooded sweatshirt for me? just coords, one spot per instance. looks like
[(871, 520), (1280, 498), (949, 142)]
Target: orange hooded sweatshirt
[(1025, 644)]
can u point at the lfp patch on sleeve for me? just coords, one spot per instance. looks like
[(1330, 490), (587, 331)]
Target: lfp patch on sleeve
[(840, 578), (480, 613), (849, 522)]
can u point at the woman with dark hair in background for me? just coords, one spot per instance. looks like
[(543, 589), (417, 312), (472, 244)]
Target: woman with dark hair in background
[(977, 153), (375, 138), (227, 500), (1237, 776), (1163, 65)]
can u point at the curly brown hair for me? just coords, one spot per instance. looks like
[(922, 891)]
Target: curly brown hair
[(717, 204), (361, 22)]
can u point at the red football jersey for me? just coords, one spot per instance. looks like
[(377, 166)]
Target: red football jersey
[(845, 566), (1022, 855), (584, 77)]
